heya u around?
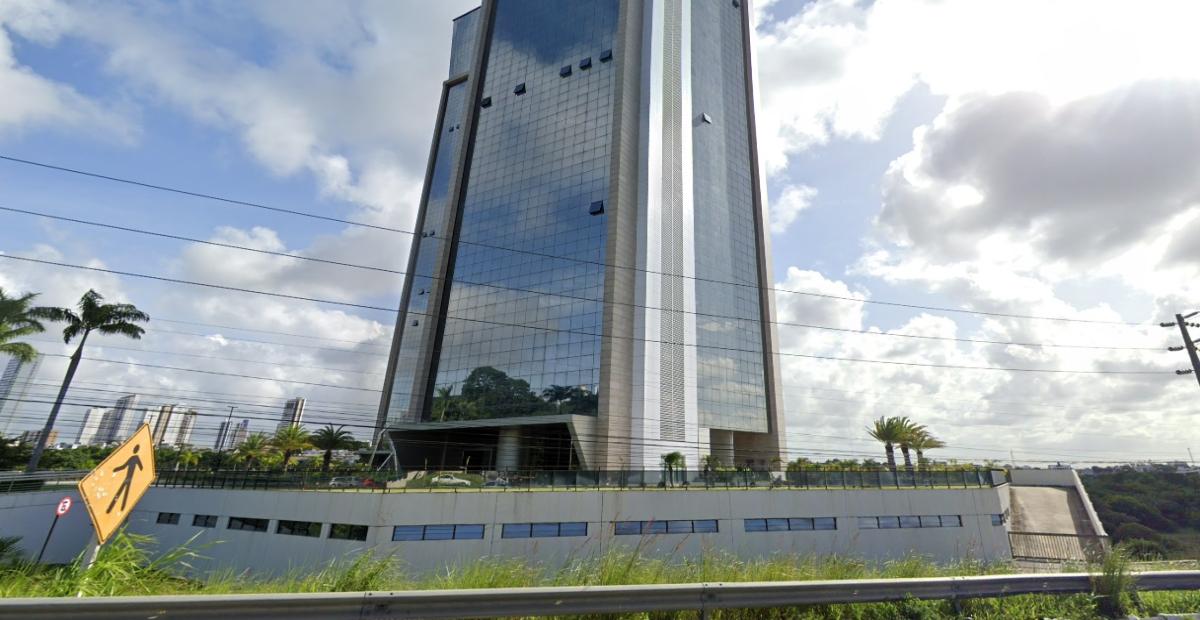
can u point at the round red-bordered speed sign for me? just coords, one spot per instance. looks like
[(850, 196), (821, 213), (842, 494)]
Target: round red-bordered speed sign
[(64, 505)]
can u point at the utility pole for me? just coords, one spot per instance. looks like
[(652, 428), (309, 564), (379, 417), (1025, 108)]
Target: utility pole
[(1188, 343)]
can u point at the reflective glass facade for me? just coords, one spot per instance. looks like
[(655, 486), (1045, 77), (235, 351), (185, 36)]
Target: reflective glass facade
[(419, 322), (729, 359), (575, 135), (540, 161)]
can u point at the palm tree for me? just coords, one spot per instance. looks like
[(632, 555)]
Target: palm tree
[(922, 442), (94, 316), (673, 461), (253, 449), (888, 431), (17, 320), (290, 440), (909, 433), (330, 439), (187, 458), (442, 399)]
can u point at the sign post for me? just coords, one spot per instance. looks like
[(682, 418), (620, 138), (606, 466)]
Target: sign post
[(112, 489), (64, 506)]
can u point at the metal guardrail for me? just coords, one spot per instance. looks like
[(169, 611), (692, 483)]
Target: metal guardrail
[(1042, 546), (557, 601)]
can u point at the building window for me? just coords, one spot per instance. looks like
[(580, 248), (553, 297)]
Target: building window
[(797, 524), (951, 521), (679, 527), (168, 518), (597, 208), (565, 71), (931, 521), (543, 530), (654, 527), (868, 523), (606, 56), (889, 523), (346, 531), (486, 102), (519, 89), (675, 526), (586, 63), (997, 520), (437, 532), (204, 520), (247, 524), (907, 522), (626, 528), (299, 528)]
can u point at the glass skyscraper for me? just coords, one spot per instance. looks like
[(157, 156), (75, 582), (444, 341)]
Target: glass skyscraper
[(586, 288)]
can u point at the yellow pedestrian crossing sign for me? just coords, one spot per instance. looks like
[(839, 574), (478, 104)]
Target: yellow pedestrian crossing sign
[(112, 489)]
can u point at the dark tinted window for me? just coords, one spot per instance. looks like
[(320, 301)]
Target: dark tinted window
[(298, 528), (346, 531), (247, 524), (169, 518), (204, 520)]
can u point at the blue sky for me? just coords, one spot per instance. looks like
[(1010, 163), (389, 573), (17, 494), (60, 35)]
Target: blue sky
[(915, 155)]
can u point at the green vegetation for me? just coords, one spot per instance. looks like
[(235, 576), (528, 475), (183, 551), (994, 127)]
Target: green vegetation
[(125, 568), (1155, 514), (908, 435), (489, 392), (18, 318)]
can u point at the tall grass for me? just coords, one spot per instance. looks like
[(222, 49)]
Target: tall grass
[(126, 566)]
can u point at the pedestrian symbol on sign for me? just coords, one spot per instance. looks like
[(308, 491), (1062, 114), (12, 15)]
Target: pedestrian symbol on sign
[(113, 488), (131, 466)]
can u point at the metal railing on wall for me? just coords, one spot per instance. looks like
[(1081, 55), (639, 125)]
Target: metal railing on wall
[(585, 479), (431, 481)]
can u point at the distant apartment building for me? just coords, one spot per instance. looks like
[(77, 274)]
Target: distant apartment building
[(91, 425), (113, 426), (173, 426), (231, 434), (14, 386), (132, 417), (293, 413), (32, 437)]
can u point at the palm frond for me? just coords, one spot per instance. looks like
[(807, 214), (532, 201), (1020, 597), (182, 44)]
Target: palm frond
[(123, 329), (19, 350)]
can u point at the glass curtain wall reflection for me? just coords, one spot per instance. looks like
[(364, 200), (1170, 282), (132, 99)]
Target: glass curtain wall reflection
[(540, 163)]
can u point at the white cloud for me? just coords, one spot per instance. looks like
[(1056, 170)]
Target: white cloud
[(31, 100), (786, 208), (838, 67)]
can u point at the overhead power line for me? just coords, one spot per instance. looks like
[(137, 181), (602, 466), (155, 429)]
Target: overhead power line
[(592, 334), (217, 373), (223, 359), (867, 332), (348, 222)]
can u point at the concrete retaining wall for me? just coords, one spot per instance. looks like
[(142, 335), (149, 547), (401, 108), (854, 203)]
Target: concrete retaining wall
[(272, 553)]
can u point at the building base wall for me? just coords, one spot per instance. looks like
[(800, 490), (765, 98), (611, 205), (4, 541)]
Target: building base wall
[(270, 553)]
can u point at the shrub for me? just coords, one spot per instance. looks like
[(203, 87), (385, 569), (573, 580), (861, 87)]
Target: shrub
[(1129, 531)]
